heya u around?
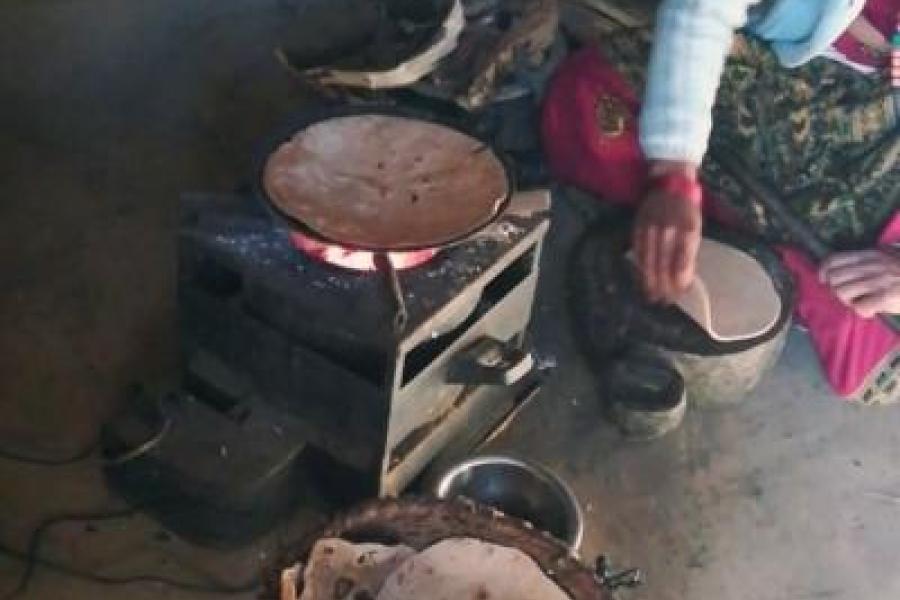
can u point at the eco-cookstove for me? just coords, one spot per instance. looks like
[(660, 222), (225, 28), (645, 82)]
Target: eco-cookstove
[(374, 364)]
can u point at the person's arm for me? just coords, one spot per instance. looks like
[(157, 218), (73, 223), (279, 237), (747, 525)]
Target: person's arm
[(692, 41)]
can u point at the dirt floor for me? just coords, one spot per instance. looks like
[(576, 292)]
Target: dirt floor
[(111, 109)]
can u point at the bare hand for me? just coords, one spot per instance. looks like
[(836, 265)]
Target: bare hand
[(868, 282), (863, 30), (665, 241)]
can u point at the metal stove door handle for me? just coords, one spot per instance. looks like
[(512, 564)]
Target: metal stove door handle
[(491, 362), (516, 365)]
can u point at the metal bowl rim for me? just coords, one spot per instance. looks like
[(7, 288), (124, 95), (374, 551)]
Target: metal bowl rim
[(539, 471)]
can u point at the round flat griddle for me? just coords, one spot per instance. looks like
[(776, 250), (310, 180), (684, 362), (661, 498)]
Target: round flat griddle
[(383, 180)]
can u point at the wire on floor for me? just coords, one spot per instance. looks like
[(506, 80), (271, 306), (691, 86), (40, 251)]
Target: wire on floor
[(189, 586), (79, 456), (32, 559)]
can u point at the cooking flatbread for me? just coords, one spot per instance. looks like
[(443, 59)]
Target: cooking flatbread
[(339, 570), (470, 569), (732, 296), (385, 182)]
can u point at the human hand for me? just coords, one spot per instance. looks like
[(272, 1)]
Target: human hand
[(665, 241), (863, 30), (868, 282)]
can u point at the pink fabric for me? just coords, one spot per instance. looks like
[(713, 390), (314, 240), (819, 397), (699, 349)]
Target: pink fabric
[(614, 169), (849, 347)]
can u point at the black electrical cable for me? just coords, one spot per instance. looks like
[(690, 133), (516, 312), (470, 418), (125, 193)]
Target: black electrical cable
[(79, 456), (34, 541), (31, 557), (205, 588), (86, 453)]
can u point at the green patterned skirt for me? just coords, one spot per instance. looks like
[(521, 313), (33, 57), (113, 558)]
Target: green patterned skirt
[(823, 135)]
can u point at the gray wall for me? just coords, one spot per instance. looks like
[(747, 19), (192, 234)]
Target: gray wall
[(109, 109)]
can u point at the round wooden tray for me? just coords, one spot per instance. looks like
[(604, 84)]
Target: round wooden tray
[(421, 522)]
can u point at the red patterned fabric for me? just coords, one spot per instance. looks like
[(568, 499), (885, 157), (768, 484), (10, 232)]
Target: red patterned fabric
[(577, 151)]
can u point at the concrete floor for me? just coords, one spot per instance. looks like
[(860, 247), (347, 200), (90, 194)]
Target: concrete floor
[(111, 109)]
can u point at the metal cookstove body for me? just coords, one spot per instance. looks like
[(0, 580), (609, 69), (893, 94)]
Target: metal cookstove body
[(262, 323)]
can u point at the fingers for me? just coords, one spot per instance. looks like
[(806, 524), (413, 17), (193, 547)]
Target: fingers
[(666, 261), (644, 248), (639, 248), (854, 289), (872, 304), (668, 244), (665, 258), (684, 262), (837, 276), (665, 242), (867, 282), (651, 264), (642, 245), (848, 259)]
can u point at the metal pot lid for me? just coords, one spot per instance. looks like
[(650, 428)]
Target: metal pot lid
[(386, 182)]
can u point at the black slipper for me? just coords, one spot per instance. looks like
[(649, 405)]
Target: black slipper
[(646, 395)]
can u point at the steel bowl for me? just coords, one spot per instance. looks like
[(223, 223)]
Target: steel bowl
[(519, 489)]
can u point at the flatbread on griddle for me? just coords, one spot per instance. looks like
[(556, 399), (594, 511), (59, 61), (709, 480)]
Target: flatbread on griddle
[(386, 182), (465, 568), (339, 570)]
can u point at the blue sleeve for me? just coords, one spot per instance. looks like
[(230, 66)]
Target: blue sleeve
[(692, 40)]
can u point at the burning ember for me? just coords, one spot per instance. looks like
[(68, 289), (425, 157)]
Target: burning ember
[(357, 260)]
